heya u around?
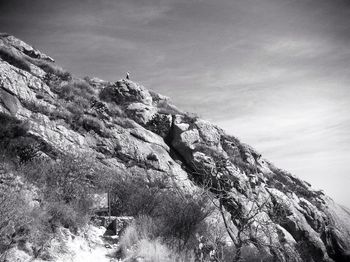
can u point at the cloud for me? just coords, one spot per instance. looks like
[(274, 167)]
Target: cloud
[(296, 46), (274, 73), (144, 12)]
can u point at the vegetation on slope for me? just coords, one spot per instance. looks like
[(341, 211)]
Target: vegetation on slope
[(14, 59), (45, 189), (167, 221)]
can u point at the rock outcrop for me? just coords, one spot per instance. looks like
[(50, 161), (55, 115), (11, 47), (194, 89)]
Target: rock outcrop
[(127, 127)]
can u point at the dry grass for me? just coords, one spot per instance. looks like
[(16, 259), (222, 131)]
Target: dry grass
[(14, 59), (125, 122), (49, 67), (139, 241), (165, 108), (75, 88), (153, 250), (23, 62)]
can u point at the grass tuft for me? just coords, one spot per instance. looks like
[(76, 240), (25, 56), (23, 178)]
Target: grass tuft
[(14, 59)]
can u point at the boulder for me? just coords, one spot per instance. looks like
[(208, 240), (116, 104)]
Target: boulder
[(125, 92)]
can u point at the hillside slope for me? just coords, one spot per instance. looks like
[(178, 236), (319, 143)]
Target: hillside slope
[(129, 128)]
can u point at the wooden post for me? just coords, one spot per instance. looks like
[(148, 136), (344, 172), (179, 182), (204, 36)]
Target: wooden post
[(109, 204)]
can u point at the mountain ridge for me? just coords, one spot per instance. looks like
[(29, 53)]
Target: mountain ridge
[(127, 127)]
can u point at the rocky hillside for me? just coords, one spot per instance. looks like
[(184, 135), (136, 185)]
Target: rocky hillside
[(129, 128)]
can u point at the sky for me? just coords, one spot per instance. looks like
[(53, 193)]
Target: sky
[(274, 73)]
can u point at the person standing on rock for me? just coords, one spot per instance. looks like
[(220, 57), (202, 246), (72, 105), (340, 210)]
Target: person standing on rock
[(127, 75)]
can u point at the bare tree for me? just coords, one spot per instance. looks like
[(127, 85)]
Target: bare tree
[(250, 220)]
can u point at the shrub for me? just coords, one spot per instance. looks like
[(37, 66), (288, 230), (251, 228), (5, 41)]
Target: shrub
[(135, 197), (178, 216), (82, 123), (237, 154), (181, 218), (244, 166), (288, 183), (64, 188), (53, 81), (51, 68), (59, 113), (74, 179), (67, 92), (36, 107), (90, 123), (71, 180), (80, 103), (79, 99), (26, 148), (75, 89), (12, 216), (14, 139), (11, 127), (160, 124), (114, 110), (107, 94), (48, 67), (20, 223), (74, 109), (14, 59), (39, 231), (20, 220), (141, 201), (78, 92), (68, 215)]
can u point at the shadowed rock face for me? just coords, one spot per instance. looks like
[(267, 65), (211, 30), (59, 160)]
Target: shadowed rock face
[(130, 128)]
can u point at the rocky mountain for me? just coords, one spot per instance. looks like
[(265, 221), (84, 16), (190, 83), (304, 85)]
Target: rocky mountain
[(127, 127)]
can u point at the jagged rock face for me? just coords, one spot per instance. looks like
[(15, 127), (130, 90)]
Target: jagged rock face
[(128, 127)]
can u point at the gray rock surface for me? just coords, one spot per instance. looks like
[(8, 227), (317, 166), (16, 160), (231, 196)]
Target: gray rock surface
[(156, 137)]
